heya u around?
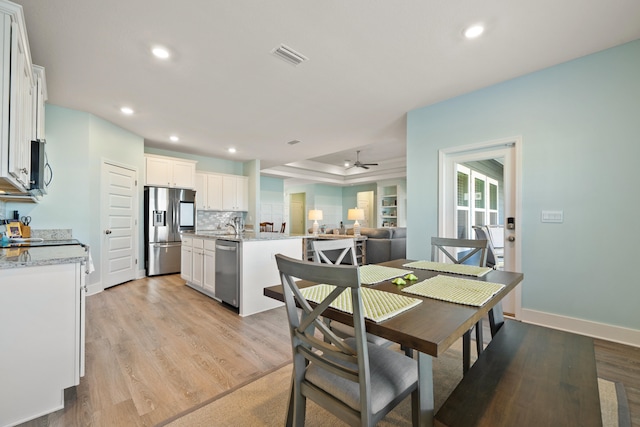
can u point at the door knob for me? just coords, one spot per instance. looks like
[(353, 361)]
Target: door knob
[(511, 238), (107, 232)]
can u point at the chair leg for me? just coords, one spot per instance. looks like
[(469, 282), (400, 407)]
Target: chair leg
[(466, 351), (407, 351), (496, 318)]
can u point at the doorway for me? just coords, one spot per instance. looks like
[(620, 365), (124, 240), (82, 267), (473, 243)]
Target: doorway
[(364, 201), (297, 209), (508, 152), (119, 201)]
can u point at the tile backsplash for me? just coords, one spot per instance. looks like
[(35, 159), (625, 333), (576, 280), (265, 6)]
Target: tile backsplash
[(215, 220)]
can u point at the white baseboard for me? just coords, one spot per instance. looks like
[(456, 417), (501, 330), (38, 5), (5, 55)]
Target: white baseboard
[(94, 288), (141, 274), (602, 331)]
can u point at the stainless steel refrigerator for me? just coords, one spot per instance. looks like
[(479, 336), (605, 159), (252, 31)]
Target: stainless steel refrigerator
[(168, 212)]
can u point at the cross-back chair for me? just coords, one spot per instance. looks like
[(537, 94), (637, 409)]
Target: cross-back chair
[(283, 226), (341, 251), (357, 381), (463, 251)]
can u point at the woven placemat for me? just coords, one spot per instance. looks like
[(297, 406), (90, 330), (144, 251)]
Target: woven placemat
[(378, 305), (466, 270), (371, 273), (455, 289)]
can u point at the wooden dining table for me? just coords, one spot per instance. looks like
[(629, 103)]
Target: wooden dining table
[(430, 328)]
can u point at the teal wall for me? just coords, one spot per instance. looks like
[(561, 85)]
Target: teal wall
[(350, 200), (77, 144), (271, 190), (579, 123)]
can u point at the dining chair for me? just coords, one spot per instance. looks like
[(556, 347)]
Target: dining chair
[(463, 251), (266, 227), (357, 381), (341, 251), (482, 233), (283, 226)]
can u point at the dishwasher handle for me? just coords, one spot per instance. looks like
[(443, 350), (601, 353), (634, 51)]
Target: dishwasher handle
[(226, 248)]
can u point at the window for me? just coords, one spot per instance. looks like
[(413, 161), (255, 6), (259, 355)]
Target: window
[(477, 201)]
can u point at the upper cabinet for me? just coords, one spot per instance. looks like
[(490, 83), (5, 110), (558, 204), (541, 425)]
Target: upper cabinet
[(235, 193), (169, 172), (21, 101), (219, 192)]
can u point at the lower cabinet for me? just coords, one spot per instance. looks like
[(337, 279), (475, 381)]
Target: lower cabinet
[(42, 334), (209, 276), (199, 264)]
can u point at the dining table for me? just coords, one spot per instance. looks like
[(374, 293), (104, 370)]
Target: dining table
[(429, 328)]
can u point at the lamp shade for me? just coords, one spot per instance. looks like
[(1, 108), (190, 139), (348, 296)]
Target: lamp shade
[(355, 214), (315, 214)]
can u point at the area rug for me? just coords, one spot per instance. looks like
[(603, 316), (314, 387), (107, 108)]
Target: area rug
[(263, 402)]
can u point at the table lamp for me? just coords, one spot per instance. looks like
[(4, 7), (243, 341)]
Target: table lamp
[(356, 214), (315, 215)]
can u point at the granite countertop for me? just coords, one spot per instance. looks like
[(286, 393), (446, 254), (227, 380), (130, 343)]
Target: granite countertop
[(244, 237), (17, 257)]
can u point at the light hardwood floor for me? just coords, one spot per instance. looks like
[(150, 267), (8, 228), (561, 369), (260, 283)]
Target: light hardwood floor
[(156, 348)]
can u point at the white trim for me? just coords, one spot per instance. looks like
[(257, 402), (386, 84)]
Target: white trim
[(513, 168), (589, 328)]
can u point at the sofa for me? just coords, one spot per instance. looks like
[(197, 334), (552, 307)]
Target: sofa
[(383, 244)]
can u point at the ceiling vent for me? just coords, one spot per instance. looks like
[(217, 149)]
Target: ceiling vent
[(289, 55), (294, 142)]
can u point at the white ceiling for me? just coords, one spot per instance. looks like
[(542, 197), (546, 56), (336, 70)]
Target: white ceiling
[(370, 61)]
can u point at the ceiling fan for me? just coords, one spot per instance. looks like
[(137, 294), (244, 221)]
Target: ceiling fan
[(359, 164)]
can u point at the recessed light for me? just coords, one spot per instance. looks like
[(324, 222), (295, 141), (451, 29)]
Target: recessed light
[(474, 31), (232, 150), (160, 52), (174, 138), (126, 110), (346, 164)]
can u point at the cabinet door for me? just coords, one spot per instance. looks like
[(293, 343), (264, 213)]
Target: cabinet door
[(198, 263), (209, 280), (39, 98), (242, 192), (229, 189), (184, 174), (201, 191), (214, 192), (20, 111), (186, 263), (158, 171)]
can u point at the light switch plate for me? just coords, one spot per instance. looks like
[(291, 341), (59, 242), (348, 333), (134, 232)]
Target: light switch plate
[(552, 216)]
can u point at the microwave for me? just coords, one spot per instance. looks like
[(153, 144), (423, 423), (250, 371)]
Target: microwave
[(39, 165)]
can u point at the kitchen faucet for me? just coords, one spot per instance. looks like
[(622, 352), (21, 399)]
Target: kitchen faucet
[(235, 224)]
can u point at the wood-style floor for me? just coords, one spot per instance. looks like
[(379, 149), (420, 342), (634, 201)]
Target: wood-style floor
[(155, 348)]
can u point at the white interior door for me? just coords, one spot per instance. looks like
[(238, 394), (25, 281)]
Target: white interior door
[(365, 202), (119, 224), (509, 151)]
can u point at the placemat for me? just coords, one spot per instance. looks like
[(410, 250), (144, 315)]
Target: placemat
[(466, 270), (371, 273), (455, 289), (378, 305)]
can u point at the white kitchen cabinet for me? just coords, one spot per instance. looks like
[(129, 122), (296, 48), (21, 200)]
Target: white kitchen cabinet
[(16, 100), (235, 193), (164, 171), (42, 331), (208, 191), (39, 99), (186, 258), (198, 262), (209, 276)]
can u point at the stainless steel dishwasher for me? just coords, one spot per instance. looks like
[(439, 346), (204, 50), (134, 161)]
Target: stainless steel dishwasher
[(228, 256)]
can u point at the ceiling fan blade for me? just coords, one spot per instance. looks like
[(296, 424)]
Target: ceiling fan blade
[(369, 164), (363, 166)]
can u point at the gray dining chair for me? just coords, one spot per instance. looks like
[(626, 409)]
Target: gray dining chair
[(463, 251), (357, 381), (341, 251), (482, 233)]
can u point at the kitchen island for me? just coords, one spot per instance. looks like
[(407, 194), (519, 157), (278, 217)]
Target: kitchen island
[(42, 307), (248, 266)]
